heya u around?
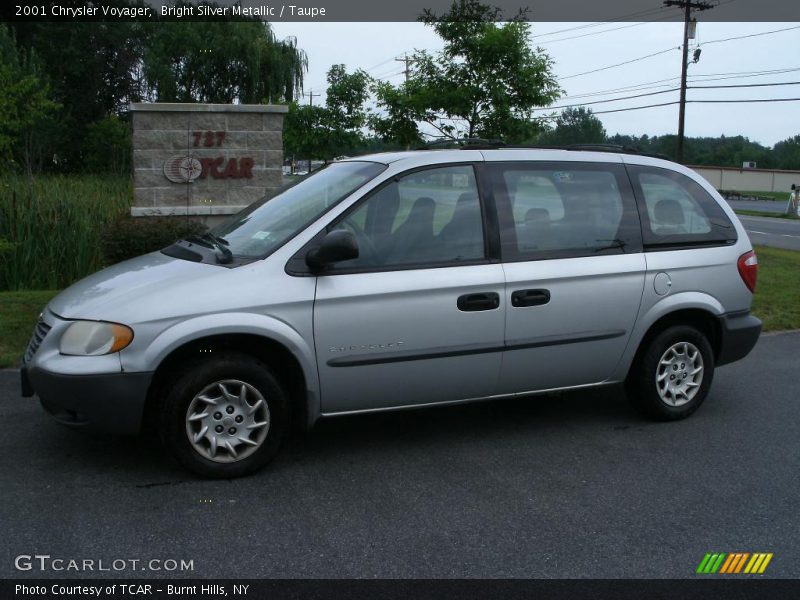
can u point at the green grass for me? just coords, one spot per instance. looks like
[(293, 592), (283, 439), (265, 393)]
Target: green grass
[(780, 196), (18, 314), (775, 303), (778, 289), (762, 213), (51, 227)]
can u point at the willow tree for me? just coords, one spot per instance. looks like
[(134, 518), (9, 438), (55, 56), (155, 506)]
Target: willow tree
[(223, 62)]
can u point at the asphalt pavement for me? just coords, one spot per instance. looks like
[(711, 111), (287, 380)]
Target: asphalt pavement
[(567, 485), (773, 206), (768, 231)]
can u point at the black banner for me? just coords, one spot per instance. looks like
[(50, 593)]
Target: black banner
[(403, 589), (408, 10)]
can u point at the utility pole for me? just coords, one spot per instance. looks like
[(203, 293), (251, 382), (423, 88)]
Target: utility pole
[(687, 6), (407, 72), (408, 62), (310, 95)]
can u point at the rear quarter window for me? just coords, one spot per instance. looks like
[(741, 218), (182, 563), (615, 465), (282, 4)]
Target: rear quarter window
[(677, 212)]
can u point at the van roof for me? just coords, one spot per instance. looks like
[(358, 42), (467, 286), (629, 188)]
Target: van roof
[(475, 151)]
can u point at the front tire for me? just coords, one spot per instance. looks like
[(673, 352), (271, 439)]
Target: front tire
[(673, 374), (224, 417)]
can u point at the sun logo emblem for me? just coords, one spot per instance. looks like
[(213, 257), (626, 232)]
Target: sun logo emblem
[(182, 169)]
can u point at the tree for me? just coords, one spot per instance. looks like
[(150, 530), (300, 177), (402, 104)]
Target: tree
[(399, 122), (221, 61), (25, 106), (97, 69), (787, 154), (576, 126), (305, 133), (335, 129), (484, 83), (107, 146), (94, 70)]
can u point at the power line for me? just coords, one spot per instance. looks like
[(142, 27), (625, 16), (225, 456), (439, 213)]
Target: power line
[(660, 83), (647, 86), (388, 73), (380, 64), (641, 13), (668, 91), (744, 101), (748, 73), (741, 37), (627, 62), (389, 76), (629, 88), (610, 100), (632, 108), (575, 37), (742, 85)]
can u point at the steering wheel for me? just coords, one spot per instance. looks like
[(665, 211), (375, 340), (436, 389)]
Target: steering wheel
[(366, 249)]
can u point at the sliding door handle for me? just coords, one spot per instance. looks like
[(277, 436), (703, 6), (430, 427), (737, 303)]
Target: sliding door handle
[(480, 301), (522, 298)]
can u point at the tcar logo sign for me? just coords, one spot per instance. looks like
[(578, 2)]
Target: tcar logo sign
[(182, 169)]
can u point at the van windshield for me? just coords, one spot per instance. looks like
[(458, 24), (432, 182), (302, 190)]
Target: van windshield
[(265, 225)]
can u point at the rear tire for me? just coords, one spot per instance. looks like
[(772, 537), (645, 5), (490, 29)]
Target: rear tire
[(672, 374), (224, 417)]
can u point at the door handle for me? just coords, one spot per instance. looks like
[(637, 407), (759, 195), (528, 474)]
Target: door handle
[(480, 301), (530, 297)]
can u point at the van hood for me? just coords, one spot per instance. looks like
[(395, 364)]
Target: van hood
[(109, 294)]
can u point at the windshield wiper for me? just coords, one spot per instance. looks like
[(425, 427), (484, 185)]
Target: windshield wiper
[(209, 240), (615, 244)]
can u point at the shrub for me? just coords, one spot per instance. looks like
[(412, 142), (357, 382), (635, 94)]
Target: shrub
[(129, 236), (107, 146), (53, 227)]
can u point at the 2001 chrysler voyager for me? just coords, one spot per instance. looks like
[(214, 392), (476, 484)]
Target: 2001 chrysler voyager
[(403, 280)]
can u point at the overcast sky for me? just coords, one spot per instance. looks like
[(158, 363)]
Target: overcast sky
[(373, 46)]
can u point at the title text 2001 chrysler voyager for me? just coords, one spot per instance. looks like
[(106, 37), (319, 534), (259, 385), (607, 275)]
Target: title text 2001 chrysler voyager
[(401, 280)]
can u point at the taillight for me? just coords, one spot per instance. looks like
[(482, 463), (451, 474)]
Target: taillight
[(748, 269)]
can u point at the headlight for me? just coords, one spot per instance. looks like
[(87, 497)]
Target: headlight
[(93, 338)]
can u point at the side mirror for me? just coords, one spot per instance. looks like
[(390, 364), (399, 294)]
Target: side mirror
[(794, 187), (336, 246)]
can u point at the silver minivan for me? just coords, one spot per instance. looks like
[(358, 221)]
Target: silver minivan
[(404, 280)]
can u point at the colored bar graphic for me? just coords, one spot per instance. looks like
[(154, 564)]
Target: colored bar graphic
[(734, 562), (765, 563), (730, 564), (754, 563), (727, 564), (701, 568), (718, 563), (740, 564)]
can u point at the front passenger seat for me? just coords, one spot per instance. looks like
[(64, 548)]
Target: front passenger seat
[(413, 240), (462, 237)]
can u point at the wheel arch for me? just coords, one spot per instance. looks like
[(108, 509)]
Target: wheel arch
[(694, 309), (277, 354)]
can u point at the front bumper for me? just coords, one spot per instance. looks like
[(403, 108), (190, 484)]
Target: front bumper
[(738, 335), (108, 403)]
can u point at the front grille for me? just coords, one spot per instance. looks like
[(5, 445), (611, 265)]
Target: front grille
[(39, 332)]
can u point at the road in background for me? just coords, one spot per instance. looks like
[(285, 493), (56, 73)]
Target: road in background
[(568, 485), (769, 231), (775, 206)]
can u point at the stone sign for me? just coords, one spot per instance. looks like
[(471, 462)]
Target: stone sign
[(204, 160)]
